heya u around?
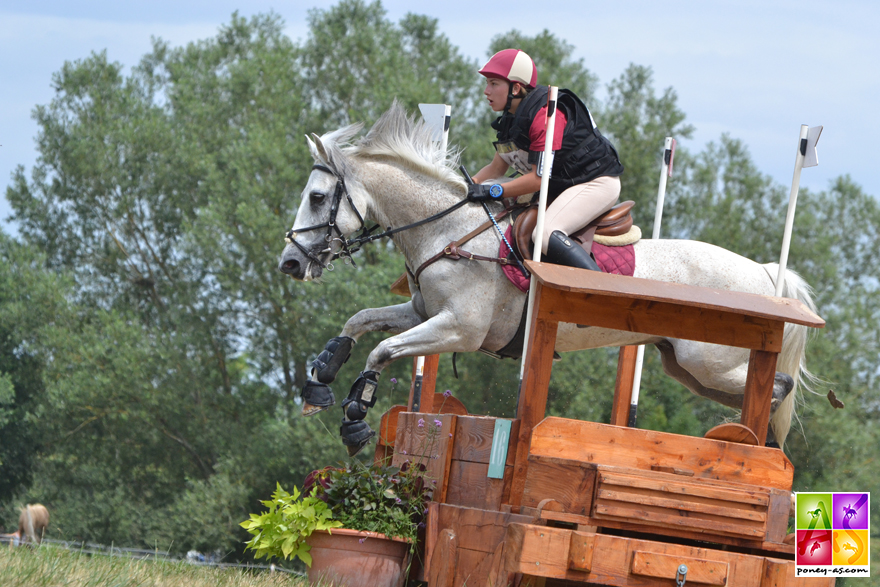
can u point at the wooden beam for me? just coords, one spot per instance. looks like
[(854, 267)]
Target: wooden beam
[(626, 371), (758, 393), (532, 404)]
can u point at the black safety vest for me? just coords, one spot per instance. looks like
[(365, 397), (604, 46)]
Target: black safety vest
[(585, 154)]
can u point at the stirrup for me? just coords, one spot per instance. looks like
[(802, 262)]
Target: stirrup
[(335, 354), (562, 250), (317, 397)]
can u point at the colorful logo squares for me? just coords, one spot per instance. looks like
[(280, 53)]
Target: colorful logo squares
[(832, 534)]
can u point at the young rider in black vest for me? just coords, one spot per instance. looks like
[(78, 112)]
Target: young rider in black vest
[(585, 179)]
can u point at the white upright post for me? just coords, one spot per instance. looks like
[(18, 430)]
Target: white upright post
[(546, 166), (665, 172), (437, 116), (792, 201)]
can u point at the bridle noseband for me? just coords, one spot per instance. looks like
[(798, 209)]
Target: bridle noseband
[(348, 246)]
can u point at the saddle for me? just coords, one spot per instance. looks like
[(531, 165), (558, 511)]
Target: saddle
[(615, 222)]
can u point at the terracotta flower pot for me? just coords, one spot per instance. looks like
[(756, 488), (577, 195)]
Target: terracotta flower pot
[(348, 558)]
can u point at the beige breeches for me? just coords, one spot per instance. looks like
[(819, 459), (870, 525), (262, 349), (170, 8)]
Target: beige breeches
[(578, 205)]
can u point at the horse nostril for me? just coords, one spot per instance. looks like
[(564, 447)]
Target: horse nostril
[(291, 266)]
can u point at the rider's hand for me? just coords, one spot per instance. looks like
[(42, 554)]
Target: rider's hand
[(482, 193)]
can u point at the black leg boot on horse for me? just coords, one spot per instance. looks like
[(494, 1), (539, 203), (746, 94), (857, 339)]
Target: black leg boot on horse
[(561, 250), (317, 395), (356, 433)]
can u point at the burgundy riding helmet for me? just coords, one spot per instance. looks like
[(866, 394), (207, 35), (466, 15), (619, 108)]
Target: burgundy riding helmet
[(512, 65)]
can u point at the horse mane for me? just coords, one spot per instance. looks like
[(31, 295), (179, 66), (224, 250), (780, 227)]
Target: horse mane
[(402, 139)]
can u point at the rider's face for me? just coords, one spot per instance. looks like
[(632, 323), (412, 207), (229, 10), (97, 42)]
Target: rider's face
[(496, 93)]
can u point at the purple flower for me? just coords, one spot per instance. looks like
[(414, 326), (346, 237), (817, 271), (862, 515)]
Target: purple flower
[(403, 452), (447, 393), (421, 422), (438, 423), (393, 380), (421, 524), (450, 435), (397, 500)]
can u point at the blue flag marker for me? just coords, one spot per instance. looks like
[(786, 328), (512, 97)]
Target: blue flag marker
[(500, 440)]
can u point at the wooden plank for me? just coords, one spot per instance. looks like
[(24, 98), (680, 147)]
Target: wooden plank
[(758, 393), (478, 529), (608, 285), (470, 486), (474, 439), (472, 567), (668, 319), (775, 573), (626, 369), (498, 576), (448, 405), (537, 550), (732, 432), (777, 515), (443, 559), (640, 449), (580, 551), (569, 482), (427, 444), (694, 490), (429, 383), (532, 404), (664, 518), (432, 535), (682, 505), (664, 566)]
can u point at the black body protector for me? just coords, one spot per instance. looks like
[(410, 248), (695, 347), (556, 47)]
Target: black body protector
[(585, 154)]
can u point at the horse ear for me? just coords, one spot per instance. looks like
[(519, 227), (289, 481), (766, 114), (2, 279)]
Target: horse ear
[(322, 152), (313, 148)]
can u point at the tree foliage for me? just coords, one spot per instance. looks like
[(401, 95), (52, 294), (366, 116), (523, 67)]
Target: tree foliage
[(151, 356)]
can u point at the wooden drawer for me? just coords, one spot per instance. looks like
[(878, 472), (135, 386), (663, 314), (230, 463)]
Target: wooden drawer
[(682, 504), (599, 559)]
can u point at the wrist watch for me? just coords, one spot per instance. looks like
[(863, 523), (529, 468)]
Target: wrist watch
[(496, 190)]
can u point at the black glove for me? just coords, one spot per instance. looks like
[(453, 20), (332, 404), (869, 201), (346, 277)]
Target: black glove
[(482, 193)]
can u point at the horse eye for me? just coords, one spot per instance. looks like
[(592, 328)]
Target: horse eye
[(316, 198)]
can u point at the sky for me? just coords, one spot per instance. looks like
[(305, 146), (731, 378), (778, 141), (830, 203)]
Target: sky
[(755, 70)]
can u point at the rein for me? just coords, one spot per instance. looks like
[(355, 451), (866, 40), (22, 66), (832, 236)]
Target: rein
[(349, 246)]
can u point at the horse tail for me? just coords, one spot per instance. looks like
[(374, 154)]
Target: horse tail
[(792, 360)]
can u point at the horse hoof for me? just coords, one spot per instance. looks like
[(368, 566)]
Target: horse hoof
[(310, 410), (317, 397), (355, 435), (782, 386)]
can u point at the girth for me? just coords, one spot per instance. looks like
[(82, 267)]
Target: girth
[(616, 221)]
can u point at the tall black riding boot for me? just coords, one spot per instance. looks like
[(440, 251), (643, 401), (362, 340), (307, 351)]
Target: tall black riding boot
[(561, 250)]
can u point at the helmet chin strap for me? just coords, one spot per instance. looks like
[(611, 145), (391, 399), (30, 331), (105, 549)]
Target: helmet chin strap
[(510, 97)]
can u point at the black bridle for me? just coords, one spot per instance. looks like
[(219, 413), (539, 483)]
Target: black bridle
[(349, 246)]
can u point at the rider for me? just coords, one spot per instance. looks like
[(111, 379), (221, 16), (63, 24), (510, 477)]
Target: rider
[(585, 179)]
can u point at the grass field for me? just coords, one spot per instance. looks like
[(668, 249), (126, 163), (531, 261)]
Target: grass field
[(55, 567)]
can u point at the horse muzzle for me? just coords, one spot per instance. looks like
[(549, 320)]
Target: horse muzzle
[(298, 266)]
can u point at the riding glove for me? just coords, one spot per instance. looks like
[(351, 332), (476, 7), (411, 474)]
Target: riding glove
[(483, 193)]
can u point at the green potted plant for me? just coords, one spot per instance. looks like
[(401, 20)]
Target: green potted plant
[(352, 525)]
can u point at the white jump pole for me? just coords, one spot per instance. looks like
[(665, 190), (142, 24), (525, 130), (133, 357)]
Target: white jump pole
[(806, 156), (544, 169), (665, 172), (437, 116)]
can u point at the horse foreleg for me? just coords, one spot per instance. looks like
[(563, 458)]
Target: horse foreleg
[(720, 377), (442, 333), (317, 395)]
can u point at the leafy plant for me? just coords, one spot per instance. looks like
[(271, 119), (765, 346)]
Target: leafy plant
[(282, 531), (384, 499)]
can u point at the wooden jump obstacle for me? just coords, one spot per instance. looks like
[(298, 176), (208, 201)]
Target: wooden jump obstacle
[(602, 504)]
